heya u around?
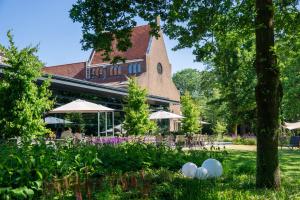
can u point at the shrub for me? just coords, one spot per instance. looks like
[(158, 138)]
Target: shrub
[(24, 169), (244, 140)]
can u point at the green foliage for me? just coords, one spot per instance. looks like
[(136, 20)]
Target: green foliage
[(136, 110), (202, 25), (289, 60), (219, 128), (78, 123), (133, 171), (191, 112), (189, 80), (244, 140), (22, 102), (237, 182), (23, 169)]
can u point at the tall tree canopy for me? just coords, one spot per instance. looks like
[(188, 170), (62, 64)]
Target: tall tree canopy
[(197, 24), (22, 103)]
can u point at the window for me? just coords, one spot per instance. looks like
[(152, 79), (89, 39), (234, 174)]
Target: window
[(115, 70), (159, 68), (100, 72), (139, 68), (88, 73), (134, 68), (119, 70), (130, 69)]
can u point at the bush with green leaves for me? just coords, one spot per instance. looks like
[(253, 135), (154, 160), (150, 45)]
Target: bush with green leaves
[(27, 167), (244, 140), (22, 103)]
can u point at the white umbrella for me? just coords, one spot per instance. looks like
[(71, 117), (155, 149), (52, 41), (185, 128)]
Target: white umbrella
[(81, 106), (203, 122), (292, 126), (118, 127), (164, 115), (55, 120)]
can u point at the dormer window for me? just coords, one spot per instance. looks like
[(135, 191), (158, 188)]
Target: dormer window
[(115, 70), (134, 68)]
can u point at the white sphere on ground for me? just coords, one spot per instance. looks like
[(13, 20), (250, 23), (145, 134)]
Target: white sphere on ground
[(189, 169), (201, 173), (214, 168)]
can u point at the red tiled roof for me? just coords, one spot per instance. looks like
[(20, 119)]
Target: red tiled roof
[(139, 38), (73, 70)]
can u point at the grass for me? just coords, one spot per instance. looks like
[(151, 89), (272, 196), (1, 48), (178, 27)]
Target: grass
[(239, 177), (237, 182)]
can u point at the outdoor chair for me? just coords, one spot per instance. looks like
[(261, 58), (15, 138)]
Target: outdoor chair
[(171, 140), (201, 140), (180, 140), (159, 139), (294, 142)]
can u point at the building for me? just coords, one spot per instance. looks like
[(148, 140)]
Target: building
[(106, 83)]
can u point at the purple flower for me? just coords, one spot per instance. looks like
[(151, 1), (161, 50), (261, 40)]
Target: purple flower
[(109, 140)]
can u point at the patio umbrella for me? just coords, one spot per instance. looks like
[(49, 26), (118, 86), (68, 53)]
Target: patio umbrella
[(203, 122), (292, 126), (164, 115), (81, 106), (118, 127), (55, 120)]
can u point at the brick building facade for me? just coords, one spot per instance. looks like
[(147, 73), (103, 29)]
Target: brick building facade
[(147, 60)]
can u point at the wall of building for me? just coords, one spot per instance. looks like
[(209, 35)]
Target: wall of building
[(156, 83)]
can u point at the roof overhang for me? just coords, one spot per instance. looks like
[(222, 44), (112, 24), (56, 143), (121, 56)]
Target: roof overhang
[(62, 82)]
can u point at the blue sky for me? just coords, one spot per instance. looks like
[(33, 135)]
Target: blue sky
[(47, 23)]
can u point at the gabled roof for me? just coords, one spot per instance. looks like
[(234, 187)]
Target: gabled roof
[(140, 40), (73, 70)]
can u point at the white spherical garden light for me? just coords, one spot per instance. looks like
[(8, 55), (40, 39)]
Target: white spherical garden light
[(189, 169), (214, 168), (201, 173)]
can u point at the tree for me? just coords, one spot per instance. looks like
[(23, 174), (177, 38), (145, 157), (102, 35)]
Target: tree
[(194, 24), (268, 94), (188, 80), (22, 103), (191, 113), (136, 110), (205, 92), (220, 128), (289, 61)]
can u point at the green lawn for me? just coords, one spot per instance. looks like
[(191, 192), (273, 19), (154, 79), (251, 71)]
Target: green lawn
[(239, 175), (238, 182)]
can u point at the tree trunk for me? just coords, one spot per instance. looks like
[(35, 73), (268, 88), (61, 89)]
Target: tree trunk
[(268, 98), (234, 129)]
